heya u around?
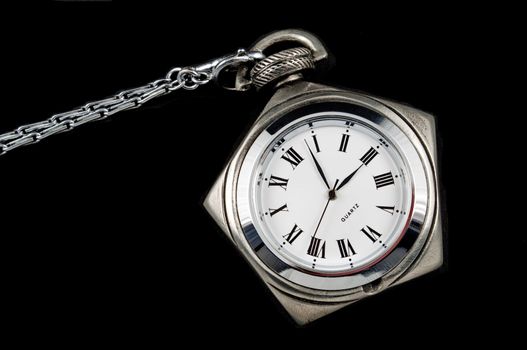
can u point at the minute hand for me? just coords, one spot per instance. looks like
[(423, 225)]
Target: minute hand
[(348, 178), (319, 168)]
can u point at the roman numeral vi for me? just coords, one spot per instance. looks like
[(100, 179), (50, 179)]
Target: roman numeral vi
[(345, 248)]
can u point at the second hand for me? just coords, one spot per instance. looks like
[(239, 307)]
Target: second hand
[(332, 195)]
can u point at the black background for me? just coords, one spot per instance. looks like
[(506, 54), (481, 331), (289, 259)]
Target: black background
[(108, 234)]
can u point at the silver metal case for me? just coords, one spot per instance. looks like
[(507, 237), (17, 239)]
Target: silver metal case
[(305, 296)]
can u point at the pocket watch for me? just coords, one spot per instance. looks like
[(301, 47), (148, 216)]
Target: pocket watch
[(331, 197)]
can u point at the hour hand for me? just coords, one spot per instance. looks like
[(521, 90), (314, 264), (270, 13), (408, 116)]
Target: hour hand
[(319, 168), (349, 177)]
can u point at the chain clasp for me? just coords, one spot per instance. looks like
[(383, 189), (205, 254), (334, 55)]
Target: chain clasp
[(230, 65)]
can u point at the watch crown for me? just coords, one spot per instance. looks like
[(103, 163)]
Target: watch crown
[(282, 65)]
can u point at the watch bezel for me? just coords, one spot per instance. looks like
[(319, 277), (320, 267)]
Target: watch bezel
[(308, 118), (412, 150)]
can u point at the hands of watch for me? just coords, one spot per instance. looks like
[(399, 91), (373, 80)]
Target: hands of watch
[(332, 195), (319, 168), (349, 177)]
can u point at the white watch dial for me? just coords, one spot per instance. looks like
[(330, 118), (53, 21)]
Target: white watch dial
[(331, 195)]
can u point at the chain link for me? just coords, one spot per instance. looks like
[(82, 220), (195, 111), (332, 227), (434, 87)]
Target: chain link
[(188, 78)]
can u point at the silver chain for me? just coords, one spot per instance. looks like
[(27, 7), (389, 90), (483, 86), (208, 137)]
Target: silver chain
[(187, 78)]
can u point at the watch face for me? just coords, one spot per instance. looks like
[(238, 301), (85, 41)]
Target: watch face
[(330, 193)]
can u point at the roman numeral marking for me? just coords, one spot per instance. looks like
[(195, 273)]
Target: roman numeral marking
[(278, 181), (389, 210), (368, 156), (345, 248), (292, 157), (344, 142), (291, 236), (315, 141), (383, 180), (317, 248), (274, 211), (371, 233)]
